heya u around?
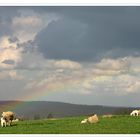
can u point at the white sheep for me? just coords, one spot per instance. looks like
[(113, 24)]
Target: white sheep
[(84, 121), (3, 122), (16, 120), (91, 119), (134, 113)]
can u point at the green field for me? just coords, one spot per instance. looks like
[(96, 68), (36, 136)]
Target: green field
[(71, 125)]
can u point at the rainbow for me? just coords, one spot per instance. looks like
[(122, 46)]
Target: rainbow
[(43, 90)]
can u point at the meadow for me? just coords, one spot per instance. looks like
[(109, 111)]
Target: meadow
[(71, 125)]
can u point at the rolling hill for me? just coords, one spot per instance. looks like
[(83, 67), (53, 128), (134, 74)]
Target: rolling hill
[(41, 109)]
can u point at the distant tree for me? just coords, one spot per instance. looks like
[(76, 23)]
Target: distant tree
[(123, 111), (36, 117), (50, 115)]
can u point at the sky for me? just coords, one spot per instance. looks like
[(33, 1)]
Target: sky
[(81, 55)]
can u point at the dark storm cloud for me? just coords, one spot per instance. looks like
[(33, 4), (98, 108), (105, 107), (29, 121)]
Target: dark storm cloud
[(82, 33), (62, 39), (89, 33)]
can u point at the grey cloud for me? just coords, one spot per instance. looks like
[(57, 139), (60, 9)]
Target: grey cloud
[(6, 15), (13, 39), (62, 39), (10, 62), (88, 33), (83, 33)]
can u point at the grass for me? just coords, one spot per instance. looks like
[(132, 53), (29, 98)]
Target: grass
[(114, 125)]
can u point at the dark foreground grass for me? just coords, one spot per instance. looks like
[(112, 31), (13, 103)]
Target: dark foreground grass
[(114, 125)]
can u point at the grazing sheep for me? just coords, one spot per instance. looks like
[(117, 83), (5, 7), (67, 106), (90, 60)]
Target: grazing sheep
[(3, 122), (84, 121), (8, 116), (134, 113), (93, 119)]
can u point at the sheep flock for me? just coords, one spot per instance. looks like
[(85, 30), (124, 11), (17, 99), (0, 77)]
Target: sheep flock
[(8, 117)]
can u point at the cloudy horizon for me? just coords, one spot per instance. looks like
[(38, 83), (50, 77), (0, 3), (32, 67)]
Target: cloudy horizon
[(83, 55)]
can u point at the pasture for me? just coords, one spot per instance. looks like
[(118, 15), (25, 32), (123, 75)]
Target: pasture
[(71, 125)]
